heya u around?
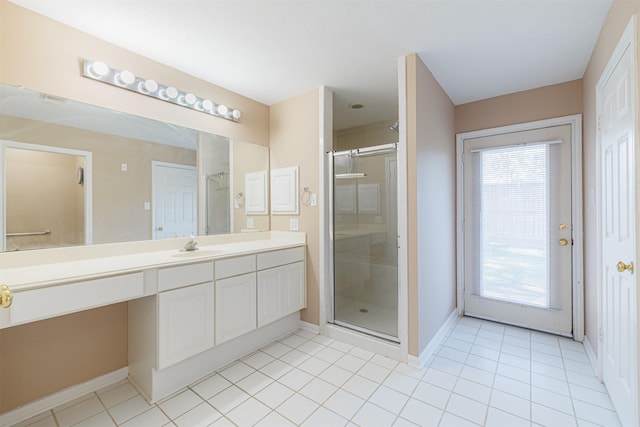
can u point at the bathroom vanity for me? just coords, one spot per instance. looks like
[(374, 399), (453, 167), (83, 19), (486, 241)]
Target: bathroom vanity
[(190, 312)]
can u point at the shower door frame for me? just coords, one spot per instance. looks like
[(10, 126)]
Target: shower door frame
[(364, 151)]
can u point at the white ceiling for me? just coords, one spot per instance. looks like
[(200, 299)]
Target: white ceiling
[(271, 50)]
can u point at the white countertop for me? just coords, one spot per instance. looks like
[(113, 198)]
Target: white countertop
[(47, 273)]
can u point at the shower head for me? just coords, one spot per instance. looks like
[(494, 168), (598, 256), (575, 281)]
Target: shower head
[(395, 127)]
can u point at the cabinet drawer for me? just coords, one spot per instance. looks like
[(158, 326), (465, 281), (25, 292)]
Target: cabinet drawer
[(184, 275), (281, 257), (43, 303), (235, 266)]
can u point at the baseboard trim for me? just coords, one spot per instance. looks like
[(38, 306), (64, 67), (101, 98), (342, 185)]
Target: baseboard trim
[(430, 350), (591, 355), (61, 397), (309, 327)]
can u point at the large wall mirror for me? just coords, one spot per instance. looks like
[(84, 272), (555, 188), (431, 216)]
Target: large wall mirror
[(74, 174)]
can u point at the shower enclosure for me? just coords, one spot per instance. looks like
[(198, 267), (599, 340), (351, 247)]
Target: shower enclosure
[(218, 218), (364, 240)]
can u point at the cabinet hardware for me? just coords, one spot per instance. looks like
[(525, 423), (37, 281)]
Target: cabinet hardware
[(622, 267), (6, 296)]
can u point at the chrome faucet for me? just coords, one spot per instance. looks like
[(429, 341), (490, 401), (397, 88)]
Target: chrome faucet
[(191, 244)]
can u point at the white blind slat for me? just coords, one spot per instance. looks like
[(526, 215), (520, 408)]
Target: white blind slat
[(512, 210)]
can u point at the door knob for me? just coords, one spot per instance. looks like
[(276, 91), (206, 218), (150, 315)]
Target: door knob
[(160, 229), (622, 267), (563, 242), (6, 297)]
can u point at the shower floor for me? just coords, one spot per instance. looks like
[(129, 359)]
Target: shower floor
[(369, 307), (368, 316)]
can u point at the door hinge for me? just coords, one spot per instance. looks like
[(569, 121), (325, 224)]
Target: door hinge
[(599, 122), (600, 335)]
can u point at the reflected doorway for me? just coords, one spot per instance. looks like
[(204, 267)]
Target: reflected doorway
[(174, 200), (46, 200)]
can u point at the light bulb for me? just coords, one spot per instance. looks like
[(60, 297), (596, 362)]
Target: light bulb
[(125, 78), (207, 105), (190, 99), (98, 69), (222, 109), (148, 86), (236, 114), (169, 93)]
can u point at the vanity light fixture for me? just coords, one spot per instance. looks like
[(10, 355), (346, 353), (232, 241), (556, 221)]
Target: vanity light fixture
[(125, 79)]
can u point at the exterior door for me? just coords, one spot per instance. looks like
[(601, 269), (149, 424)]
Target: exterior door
[(174, 200), (517, 228), (619, 331)]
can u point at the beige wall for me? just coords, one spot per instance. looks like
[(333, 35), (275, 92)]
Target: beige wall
[(614, 25), (368, 135), (431, 205), (44, 357), (43, 193), (547, 102), (43, 55), (295, 133)]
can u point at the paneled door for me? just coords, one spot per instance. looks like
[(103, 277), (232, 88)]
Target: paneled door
[(174, 200), (619, 324), (518, 230)]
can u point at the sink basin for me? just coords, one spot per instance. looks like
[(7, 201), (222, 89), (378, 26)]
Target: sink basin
[(197, 253)]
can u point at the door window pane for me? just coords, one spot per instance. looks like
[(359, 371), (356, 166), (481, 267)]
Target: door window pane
[(512, 211)]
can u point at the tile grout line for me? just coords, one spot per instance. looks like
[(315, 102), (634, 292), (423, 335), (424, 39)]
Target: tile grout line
[(541, 357)]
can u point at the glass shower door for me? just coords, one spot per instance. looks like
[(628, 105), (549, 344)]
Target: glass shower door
[(365, 249)]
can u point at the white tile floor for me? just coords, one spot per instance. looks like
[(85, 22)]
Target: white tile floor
[(484, 374)]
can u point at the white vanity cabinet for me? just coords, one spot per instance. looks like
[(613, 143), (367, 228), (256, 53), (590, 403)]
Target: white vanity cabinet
[(189, 314), (185, 323), (235, 290), (185, 312), (235, 307), (281, 284), (42, 303)]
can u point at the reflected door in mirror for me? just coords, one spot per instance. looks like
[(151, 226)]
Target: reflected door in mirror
[(174, 204)]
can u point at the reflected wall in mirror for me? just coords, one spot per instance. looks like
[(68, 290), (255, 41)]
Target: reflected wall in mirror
[(77, 174), (224, 188)]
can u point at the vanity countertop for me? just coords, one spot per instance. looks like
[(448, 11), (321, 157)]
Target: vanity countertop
[(103, 261)]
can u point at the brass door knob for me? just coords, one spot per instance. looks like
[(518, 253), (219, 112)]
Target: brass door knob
[(563, 242), (6, 297), (622, 267)]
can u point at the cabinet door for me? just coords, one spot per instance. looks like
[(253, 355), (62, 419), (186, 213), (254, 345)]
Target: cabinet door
[(235, 306), (269, 296), (185, 323), (294, 295)]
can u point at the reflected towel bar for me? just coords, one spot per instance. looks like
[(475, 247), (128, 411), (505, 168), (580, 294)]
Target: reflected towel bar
[(32, 233)]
